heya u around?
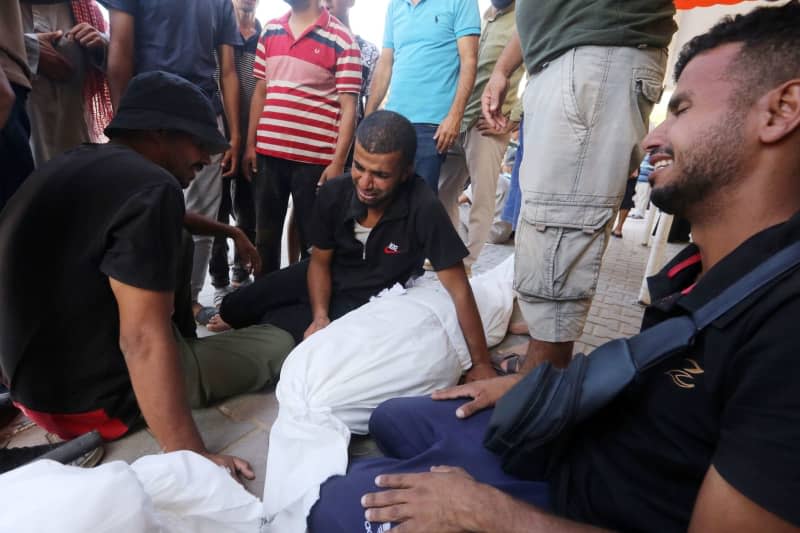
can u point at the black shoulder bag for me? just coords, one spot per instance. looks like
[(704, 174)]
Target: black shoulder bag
[(549, 402)]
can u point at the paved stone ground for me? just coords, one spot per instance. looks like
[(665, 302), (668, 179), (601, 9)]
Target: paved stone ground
[(241, 426)]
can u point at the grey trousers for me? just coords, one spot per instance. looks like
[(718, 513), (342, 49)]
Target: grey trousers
[(203, 196), (478, 158), (585, 114)]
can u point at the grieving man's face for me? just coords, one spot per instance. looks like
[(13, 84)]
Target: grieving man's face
[(376, 177), (185, 156), (698, 149)]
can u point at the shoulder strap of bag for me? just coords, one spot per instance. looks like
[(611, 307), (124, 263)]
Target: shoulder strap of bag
[(656, 344), (772, 268)]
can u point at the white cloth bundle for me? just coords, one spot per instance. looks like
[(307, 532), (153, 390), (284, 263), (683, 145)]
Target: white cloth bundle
[(179, 492), (397, 345)]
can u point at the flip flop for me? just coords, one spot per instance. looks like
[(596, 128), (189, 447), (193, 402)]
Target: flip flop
[(507, 363), (205, 314), (617, 235)]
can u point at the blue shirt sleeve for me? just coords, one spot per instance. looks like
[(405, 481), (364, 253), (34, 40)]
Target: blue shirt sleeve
[(467, 18), (388, 28), (127, 6)]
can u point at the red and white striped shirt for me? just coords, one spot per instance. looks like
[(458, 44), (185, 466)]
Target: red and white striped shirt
[(300, 118)]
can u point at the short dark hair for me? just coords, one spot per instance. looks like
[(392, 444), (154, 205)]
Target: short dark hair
[(384, 132), (770, 54)]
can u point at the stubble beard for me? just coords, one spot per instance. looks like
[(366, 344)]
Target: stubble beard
[(709, 169)]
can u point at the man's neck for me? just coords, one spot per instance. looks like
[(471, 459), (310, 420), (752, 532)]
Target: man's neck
[(344, 18), (728, 220), (302, 18), (246, 21)]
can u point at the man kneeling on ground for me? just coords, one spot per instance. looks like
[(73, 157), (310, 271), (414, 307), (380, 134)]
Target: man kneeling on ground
[(708, 440), (370, 230), (88, 339)]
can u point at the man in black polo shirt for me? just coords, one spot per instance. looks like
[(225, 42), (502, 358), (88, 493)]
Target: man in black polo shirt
[(371, 229), (709, 440), (88, 337)]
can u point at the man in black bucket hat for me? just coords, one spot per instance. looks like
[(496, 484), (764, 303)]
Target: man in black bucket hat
[(89, 339)]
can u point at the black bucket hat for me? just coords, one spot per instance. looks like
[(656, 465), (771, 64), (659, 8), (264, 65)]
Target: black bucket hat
[(162, 101)]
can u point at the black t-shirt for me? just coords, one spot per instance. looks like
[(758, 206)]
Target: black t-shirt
[(413, 227), (95, 212), (731, 401)]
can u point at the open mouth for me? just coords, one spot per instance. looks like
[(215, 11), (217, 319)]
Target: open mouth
[(664, 163)]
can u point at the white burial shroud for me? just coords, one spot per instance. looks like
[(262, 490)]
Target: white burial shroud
[(178, 492), (405, 343)]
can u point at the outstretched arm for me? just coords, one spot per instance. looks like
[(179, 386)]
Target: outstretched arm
[(347, 126), (448, 130), (120, 54), (249, 158), (454, 279), (380, 80), (720, 507), (496, 88), (151, 355), (229, 82), (197, 224), (448, 499), (319, 288)]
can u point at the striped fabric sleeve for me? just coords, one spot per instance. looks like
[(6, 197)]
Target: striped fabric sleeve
[(348, 68), (260, 61)]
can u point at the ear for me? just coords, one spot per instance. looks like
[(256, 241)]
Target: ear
[(782, 113)]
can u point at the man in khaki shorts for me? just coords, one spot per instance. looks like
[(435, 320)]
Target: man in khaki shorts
[(595, 74)]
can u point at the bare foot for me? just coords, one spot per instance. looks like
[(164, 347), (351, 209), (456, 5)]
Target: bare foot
[(217, 325), (518, 328)]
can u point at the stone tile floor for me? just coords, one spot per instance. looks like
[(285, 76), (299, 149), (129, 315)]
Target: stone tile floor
[(240, 426)]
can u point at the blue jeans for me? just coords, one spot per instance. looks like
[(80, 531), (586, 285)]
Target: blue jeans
[(416, 434), (514, 200), (428, 161)]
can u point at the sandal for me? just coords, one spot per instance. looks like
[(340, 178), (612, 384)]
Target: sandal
[(205, 314), (507, 363)]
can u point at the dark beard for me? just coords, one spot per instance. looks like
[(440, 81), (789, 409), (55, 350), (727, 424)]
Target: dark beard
[(712, 166)]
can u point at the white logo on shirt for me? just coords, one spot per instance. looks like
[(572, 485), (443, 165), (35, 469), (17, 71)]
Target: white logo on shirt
[(382, 528)]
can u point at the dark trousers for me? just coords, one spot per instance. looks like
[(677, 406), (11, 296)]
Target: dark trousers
[(237, 200), (416, 434), (272, 184), (428, 162), (16, 159), (280, 298)]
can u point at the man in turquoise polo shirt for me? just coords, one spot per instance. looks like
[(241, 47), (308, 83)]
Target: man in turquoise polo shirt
[(428, 65)]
